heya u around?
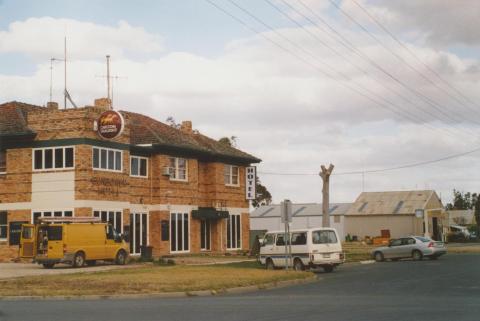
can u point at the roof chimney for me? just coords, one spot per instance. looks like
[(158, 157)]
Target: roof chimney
[(104, 103), (52, 105), (186, 126)]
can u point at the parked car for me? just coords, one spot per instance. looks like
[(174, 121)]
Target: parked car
[(316, 247), (415, 247)]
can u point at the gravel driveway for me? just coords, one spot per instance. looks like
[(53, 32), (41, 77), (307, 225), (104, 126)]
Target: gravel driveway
[(15, 270)]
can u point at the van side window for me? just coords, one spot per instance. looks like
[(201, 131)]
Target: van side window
[(324, 237), (299, 238), (269, 239), (280, 240), (110, 232), (54, 233)]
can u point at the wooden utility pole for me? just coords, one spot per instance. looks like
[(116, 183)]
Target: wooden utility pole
[(325, 175)]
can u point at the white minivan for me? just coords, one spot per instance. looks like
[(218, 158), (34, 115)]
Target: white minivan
[(312, 248)]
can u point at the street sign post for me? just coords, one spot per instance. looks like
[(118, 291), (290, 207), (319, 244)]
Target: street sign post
[(286, 215)]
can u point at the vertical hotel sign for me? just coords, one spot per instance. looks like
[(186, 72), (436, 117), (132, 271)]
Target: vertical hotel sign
[(250, 182)]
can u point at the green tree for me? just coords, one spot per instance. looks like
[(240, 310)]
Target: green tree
[(462, 201), (263, 196)]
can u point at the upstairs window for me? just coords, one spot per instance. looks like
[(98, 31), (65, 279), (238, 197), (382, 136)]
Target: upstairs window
[(53, 158), (107, 159), (3, 226), (230, 174), (178, 169), (138, 166), (3, 161)]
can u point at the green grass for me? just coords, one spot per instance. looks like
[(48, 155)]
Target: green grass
[(151, 279)]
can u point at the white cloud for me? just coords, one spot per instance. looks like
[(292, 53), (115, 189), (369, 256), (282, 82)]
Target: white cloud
[(43, 37), (281, 110)]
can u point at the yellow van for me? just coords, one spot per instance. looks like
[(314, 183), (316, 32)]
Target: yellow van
[(75, 241)]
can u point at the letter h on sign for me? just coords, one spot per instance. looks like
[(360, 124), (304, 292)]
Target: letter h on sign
[(251, 173)]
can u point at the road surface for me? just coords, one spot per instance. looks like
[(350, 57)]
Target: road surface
[(443, 290)]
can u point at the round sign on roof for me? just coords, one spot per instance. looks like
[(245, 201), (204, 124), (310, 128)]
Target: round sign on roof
[(110, 124)]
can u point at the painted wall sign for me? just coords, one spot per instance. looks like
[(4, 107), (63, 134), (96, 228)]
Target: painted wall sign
[(251, 173), (110, 124)]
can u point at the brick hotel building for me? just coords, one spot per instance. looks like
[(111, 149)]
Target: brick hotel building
[(170, 188)]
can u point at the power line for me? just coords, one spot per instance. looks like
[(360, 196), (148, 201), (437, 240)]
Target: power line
[(429, 101), (398, 41), (385, 104), (357, 172), (351, 47)]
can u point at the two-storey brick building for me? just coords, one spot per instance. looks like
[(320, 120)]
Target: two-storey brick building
[(170, 188)]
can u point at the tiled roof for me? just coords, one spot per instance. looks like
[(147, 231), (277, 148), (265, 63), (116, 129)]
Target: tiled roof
[(146, 130), (398, 202), (13, 118)]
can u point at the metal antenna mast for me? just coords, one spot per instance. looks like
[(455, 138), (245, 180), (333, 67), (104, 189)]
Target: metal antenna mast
[(65, 76)]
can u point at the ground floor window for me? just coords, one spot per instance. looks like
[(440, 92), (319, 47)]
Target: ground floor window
[(52, 213), (3, 226), (179, 232), (234, 232), (205, 235), (138, 232), (112, 217)]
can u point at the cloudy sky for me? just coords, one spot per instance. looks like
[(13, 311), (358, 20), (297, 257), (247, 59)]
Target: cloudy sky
[(300, 83)]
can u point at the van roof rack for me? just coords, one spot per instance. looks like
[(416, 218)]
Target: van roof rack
[(69, 220)]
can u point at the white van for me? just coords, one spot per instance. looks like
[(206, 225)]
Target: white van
[(312, 248)]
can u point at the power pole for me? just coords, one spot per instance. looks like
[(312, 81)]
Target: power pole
[(325, 175)]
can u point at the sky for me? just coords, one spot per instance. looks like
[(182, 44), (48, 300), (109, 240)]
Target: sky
[(365, 85)]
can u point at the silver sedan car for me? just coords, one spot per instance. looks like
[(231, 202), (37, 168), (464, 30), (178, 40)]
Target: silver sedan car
[(415, 247)]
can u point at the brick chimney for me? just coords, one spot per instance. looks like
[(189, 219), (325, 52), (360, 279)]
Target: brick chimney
[(52, 105), (104, 103), (186, 126)]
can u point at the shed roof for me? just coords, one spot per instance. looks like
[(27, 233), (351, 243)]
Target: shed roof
[(300, 209), (395, 202)]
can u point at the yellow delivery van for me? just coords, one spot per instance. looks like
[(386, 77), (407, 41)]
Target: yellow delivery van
[(75, 241)]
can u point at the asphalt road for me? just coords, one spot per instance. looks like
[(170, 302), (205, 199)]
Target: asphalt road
[(443, 290)]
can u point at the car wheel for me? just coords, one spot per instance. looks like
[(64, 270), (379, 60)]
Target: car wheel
[(79, 259), (298, 265), (378, 256), (269, 264), (121, 258), (328, 268), (91, 262), (417, 255), (48, 265)]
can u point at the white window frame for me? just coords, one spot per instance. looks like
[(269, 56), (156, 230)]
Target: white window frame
[(115, 211), (183, 230), (175, 170), (114, 159), (230, 175), (239, 246), (43, 149), (132, 224), (63, 210), (5, 171), (6, 225), (209, 223), (139, 158)]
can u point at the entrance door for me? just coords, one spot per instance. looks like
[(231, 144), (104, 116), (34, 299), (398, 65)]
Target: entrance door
[(27, 241), (205, 235), (138, 232), (435, 228)]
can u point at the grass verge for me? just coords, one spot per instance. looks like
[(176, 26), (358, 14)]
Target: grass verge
[(144, 280)]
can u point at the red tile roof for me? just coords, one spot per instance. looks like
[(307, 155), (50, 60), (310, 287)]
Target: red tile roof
[(144, 130)]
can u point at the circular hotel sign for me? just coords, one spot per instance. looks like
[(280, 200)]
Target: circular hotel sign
[(110, 124)]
